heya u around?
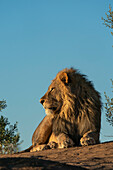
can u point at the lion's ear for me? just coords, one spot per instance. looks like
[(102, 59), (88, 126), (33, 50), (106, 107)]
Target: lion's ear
[(64, 77)]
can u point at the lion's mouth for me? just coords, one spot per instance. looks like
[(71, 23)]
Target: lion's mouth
[(50, 108), (53, 108)]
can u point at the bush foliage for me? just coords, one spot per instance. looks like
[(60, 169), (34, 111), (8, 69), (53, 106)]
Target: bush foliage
[(109, 107), (9, 136), (108, 22)]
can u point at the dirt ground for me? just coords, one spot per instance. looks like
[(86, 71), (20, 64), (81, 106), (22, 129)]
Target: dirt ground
[(88, 157)]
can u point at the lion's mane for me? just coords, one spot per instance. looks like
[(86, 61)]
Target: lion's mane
[(81, 107)]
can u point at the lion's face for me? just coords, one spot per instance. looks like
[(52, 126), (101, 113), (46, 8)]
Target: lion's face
[(52, 100), (56, 96)]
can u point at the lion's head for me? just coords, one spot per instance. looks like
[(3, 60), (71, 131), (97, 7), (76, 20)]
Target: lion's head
[(55, 97), (73, 98)]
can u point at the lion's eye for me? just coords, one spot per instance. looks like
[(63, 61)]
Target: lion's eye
[(52, 89)]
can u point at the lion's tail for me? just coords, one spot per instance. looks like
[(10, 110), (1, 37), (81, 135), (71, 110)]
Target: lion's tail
[(26, 150)]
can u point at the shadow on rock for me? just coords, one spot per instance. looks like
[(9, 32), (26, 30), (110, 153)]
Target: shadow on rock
[(33, 163)]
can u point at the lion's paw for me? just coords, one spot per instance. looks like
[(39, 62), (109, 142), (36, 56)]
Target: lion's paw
[(40, 148), (52, 145), (66, 143), (84, 141)]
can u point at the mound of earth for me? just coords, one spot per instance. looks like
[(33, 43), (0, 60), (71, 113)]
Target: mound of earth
[(88, 157)]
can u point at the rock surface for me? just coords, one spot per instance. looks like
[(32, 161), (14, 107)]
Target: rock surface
[(88, 157)]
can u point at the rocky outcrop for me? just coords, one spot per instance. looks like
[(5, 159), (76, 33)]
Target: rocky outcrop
[(88, 157)]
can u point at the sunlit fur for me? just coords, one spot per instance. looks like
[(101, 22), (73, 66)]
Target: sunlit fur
[(80, 105)]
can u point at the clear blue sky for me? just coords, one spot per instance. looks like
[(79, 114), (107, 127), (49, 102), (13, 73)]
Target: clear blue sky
[(41, 37)]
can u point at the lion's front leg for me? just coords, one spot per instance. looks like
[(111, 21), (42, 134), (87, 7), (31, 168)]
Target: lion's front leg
[(64, 141), (53, 141), (60, 141), (90, 138), (43, 131)]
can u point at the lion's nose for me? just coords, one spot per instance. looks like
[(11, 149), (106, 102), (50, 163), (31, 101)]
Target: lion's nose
[(42, 101)]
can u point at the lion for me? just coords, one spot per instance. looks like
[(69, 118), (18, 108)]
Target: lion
[(73, 113)]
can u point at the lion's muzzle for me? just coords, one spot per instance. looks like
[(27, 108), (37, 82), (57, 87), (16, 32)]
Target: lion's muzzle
[(42, 101)]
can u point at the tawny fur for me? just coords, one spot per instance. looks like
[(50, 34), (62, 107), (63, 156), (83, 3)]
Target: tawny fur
[(76, 109), (81, 108)]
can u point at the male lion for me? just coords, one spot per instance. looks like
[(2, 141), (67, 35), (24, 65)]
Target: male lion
[(73, 109)]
